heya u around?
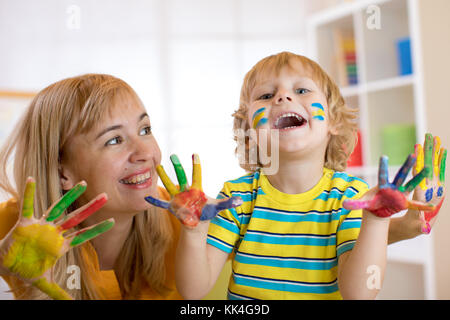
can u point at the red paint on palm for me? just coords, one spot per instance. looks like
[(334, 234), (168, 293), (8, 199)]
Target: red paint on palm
[(386, 202), (188, 205), (431, 214)]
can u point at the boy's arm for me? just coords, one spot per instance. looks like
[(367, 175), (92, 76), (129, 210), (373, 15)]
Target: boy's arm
[(369, 252), (198, 263)]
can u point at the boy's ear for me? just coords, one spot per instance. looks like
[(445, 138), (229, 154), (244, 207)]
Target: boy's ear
[(65, 178), (333, 129)]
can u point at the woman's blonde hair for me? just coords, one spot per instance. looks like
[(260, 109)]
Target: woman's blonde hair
[(63, 109), (340, 115)]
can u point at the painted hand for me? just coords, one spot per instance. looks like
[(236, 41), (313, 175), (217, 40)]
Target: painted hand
[(387, 198), (190, 205), (30, 250), (431, 189)]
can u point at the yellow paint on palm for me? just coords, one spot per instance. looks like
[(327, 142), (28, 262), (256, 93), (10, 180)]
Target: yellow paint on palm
[(34, 250), (52, 289)]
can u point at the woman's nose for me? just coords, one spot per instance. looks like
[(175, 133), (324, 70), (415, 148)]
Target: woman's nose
[(140, 152)]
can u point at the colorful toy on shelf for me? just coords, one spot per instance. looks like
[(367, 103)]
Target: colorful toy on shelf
[(397, 141), (404, 56), (347, 70), (355, 159)]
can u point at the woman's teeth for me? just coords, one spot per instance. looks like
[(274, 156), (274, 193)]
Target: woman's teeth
[(137, 179)]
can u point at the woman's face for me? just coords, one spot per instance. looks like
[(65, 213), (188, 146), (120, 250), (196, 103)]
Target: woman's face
[(118, 156)]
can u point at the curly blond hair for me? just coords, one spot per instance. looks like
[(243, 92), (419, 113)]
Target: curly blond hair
[(341, 117)]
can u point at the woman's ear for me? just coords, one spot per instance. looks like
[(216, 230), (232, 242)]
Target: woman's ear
[(65, 178)]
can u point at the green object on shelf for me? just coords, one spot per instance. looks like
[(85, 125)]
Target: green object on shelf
[(398, 142)]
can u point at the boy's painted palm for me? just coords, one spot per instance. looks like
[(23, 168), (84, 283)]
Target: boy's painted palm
[(432, 188), (389, 198), (190, 205), (32, 247)]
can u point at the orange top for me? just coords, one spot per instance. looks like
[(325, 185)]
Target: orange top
[(105, 280)]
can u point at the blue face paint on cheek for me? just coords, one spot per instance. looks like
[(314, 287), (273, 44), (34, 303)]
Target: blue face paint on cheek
[(429, 194), (318, 111)]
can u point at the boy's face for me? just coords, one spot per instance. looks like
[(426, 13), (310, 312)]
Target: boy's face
[(292, 104)]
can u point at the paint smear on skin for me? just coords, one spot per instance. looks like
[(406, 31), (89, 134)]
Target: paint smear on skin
[(66, 201), (52, 289), (319, 112), (188, 206), (83, 215), (181, 175), (34, 250), (86, 235), (259, 118)]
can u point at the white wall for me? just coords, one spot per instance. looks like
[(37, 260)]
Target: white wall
[(185, 59)]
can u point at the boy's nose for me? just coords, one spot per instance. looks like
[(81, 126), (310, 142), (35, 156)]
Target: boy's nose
[(283, 96)]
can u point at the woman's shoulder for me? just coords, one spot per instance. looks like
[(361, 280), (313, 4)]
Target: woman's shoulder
[(9, 213)]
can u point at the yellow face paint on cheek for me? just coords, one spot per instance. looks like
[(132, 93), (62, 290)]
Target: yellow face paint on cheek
[(34, 250)]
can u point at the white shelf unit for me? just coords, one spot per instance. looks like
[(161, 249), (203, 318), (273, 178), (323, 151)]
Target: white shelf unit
[(382, 96)]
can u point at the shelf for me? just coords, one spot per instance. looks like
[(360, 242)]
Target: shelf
[(384, 84)]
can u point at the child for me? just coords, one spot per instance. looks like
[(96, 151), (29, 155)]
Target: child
[(291, 238)]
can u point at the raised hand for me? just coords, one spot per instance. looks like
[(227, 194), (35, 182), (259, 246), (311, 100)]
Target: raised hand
[(432, 188), (389, 198), (30, 250), (190, 204)]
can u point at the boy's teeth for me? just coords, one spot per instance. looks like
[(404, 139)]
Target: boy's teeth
[(140, 178)]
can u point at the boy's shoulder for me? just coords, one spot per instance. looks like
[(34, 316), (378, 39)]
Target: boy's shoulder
[(344, 180)]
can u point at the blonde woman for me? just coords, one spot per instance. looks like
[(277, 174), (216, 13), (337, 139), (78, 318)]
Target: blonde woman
[(95, 128)]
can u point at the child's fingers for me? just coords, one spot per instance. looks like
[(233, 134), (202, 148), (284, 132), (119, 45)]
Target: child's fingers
[(196, 172), (84, 212), (28, 198), (52, 289), (157, 202), (383, 174), (89, 233), (414, 182), (442, 160), (181, 175), (404, 170), (170, 187), (418, 151), (425, 226), (428, 154), (57, 210), (209, 211), (356, 204)]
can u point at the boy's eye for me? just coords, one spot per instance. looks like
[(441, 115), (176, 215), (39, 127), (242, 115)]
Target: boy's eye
[(145, 131), (265, 96), (302, 90), (113, 141)]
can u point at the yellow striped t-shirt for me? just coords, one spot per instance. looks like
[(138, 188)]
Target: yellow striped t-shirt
[(286, 246)]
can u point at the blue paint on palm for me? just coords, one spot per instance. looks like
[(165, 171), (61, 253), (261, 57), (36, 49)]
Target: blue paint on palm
[(429, 195), (440, 191)]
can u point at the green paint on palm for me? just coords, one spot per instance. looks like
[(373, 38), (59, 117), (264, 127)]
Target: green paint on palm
[(442, 168), (28, 199), (181, 175), (414, 182), (428, 154), (66, 201), (92, 233)]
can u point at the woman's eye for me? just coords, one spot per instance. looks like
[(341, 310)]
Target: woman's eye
[(301, 90), (265, 96), (145, 131), (113, 141)]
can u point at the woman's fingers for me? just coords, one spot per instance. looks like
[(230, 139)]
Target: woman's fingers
[(209, 211), (181, 175), (84, 212), (53, 290), (57, 210), (157, 202), (28, 198), (89, 233), (196, 172), (404, 170)]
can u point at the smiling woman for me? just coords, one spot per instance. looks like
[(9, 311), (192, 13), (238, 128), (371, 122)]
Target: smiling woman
[(95, 128)]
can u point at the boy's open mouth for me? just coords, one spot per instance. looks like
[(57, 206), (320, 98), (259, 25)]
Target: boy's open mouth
[(289, 120)]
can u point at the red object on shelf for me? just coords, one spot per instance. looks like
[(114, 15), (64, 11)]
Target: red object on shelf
[(355, 159)]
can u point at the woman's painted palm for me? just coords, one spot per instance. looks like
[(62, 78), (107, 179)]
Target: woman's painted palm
[(30, 250), (190, 204)]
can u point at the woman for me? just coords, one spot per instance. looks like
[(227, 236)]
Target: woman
[(95, 128)]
